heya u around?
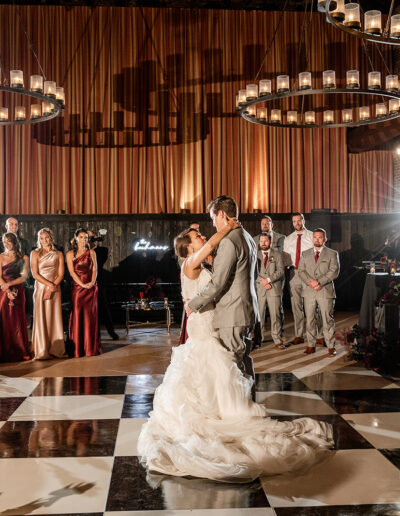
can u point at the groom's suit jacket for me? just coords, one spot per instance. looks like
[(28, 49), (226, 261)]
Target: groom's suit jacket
[(232, 285)]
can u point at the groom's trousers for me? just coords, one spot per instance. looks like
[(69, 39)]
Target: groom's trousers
[(238, 339)]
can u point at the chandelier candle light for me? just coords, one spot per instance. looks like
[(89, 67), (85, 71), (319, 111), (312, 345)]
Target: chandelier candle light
[(329, 79), (364, 113), (352, 16), (346, 17), (373, 22), (292, 117), (328, 117), (304, 80), (352, 79)]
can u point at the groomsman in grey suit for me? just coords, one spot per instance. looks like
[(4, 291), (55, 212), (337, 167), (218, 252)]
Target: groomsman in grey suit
[(232, 286), (277, 239), (269, 288), (318, 268)]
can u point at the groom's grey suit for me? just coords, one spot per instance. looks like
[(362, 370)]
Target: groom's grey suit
[(232, 288)]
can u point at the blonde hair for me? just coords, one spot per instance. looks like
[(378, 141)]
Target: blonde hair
[(39, 243)]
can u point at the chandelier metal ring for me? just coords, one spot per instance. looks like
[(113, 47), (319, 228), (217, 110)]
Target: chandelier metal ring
[(56, 110), (297, 93), (359, 33)]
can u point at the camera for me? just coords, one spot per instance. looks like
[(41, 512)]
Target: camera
[(96, 239), (101, 238)]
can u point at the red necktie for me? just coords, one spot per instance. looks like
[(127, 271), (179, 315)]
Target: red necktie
[(298, 250), (265, 259), (316, 256)]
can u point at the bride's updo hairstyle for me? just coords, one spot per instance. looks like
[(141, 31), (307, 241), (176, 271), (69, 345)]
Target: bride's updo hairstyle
[(181, 243), (224, 203)]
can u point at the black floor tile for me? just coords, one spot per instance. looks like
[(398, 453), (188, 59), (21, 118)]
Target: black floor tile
[(137, 405), (341, 510), (345, 436), (267, 382), (393, 456), (362, 401), (90, 438), (89, 385), (8, 406), (132, 489)]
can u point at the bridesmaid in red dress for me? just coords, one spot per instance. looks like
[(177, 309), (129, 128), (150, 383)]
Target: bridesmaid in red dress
[(14, 269), (83, 325)]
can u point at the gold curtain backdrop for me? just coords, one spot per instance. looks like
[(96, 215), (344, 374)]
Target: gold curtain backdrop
[(150, 124)]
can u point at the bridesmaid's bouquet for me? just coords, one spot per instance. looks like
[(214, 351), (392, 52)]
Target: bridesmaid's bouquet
[(12, 294)]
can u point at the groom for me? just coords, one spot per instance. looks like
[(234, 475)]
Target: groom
[(232, 286)]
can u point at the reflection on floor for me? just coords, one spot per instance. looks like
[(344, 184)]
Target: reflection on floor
[(68, 434)]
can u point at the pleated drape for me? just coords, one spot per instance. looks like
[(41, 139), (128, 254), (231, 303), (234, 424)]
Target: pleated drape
[(150, 124)]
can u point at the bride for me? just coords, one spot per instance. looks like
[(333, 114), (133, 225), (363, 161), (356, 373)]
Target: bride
[(204, 422)]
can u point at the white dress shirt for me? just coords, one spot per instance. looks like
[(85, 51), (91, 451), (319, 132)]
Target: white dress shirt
[(290, 244)]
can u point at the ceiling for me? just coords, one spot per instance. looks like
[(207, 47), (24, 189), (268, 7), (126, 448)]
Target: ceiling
[(266, 5)]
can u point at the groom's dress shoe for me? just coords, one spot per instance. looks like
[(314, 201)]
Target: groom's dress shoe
[(309, 350), (331, 352)]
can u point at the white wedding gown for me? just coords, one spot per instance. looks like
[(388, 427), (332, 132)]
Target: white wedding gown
[(204, 423)]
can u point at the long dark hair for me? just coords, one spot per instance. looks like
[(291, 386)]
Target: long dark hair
[(12, 237), (74, 244)]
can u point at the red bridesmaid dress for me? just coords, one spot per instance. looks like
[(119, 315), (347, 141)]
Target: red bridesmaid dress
[(14, 344), (83, 322)]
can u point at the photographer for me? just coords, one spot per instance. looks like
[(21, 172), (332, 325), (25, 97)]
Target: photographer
[(102, 256)]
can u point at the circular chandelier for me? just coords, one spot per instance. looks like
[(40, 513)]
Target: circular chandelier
[(248, 99), (51, 97), (349, 17), (262, 105), (48, 98)]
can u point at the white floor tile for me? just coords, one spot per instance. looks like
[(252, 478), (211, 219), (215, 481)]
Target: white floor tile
[(69, 407), (293, 403), (347, 477), (17, 387), (381, 430), (128, 434), (56, 485)]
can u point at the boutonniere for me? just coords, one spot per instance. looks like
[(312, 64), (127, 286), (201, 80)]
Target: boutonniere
[(272, 259)]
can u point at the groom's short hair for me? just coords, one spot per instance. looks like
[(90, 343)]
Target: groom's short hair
[(224, 203)]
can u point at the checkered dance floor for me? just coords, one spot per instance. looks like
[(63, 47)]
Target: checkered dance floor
[(68, 446)]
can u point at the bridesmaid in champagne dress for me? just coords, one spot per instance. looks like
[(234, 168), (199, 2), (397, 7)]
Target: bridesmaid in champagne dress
[(14, 268), (83, 323), (47, 265)]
